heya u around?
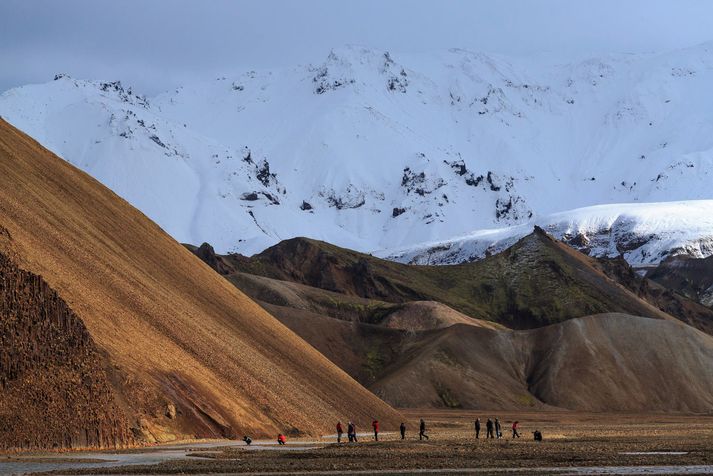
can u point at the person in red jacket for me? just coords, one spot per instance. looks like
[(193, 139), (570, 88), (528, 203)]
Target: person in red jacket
[(375, 426), (515, 434), (340, 431), (281, 439)]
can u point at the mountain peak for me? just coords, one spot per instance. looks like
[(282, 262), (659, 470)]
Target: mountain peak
[(379, 153)]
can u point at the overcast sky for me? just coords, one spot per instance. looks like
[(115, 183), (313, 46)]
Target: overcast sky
[(154, 45)]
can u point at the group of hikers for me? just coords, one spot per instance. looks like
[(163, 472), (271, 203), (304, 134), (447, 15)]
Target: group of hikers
[(493, 429), (352, 434)]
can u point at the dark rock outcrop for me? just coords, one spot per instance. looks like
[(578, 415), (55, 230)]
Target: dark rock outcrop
[(207, 254), (54, 391)]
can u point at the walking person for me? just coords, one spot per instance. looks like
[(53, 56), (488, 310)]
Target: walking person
[(375, 426), (489, 429), (247, 440), (422, 430), (402, 429), (281, 439), (498, 429), (515, 434), (340, 432), (477, 428)]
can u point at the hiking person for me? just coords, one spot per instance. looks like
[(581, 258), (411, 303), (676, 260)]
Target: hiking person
[(477, 428), (489, 429), (375, 426), (422, 430), (281, 439), (340, 432), (537, 435), (402, 428), (247, 440), (498, 429), (351, 432), (515, 434)]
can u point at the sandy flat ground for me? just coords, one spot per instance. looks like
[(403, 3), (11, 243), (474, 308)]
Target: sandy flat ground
[(574, 443)]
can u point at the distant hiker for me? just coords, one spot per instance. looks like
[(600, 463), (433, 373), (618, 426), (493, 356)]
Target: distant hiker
[(477, 428), (247, 440), (489, 429), (498, 429), (402, 428), (375, 426), (537, 435), (515, 434), (351, 432), (422, 430), (340, 432), (281, 439)]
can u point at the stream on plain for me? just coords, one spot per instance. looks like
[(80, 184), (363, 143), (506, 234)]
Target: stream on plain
[(18, 465)]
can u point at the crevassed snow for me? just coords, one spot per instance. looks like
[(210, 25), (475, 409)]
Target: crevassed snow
[(644, 233), (372, 150)]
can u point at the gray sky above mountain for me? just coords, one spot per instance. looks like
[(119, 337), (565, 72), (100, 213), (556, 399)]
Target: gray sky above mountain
[(156, 44)]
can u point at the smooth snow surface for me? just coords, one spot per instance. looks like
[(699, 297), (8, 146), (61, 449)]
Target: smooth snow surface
[(374, 151)]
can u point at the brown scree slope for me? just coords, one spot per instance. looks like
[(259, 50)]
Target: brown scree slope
[(607, 362), (172, 332)]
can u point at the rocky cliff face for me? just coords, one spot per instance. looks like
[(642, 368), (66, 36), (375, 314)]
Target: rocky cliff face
[(54, 391)]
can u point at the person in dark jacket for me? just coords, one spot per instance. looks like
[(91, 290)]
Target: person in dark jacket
[(402, 429), (340, 432), (351, 432), (375, 426), (477, 428), (498, 429), (422, 430), (489, 429), (247, 440), (537, 435)]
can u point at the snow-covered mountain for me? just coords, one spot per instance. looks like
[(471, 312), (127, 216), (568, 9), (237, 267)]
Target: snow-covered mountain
[(371, 150), (644, 233)]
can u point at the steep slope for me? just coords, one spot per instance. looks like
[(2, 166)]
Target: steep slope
[(692, 277), (611, 362), (373, 150), (185, 352), (535, 282)]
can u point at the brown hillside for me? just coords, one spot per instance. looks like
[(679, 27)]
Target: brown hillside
[(425, 354), (611, 362), (419, 353), (361, 336), (171, 332)]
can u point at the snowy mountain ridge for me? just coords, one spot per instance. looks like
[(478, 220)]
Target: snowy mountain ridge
[(372, 151), (643, 233)]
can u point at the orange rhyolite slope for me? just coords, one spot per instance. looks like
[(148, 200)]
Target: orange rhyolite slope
[(184, 352)]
